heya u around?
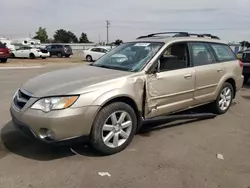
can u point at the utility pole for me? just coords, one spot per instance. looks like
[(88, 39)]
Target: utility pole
[(107, 25)]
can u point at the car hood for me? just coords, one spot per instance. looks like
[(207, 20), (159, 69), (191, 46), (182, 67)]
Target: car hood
[(65, 81)]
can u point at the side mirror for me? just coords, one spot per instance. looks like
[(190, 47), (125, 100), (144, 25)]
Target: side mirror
[(155, 68)]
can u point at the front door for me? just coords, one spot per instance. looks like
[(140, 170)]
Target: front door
[(172, 88), (208, 72)]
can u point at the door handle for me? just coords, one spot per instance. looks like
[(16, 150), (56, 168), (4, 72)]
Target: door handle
[(219, 70), (188, 76)]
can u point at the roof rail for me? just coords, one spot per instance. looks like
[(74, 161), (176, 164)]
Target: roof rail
[(179, 34)]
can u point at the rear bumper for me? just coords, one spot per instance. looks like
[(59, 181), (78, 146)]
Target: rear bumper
[(246, 69), (4, 56)]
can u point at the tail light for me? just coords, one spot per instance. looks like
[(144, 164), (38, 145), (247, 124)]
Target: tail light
[(38, 50), (240, 63)]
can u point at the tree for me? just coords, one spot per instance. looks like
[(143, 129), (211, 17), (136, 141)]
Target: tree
[(118, 42), (84, 38), (245, 44), (41, 34), (64, 36)]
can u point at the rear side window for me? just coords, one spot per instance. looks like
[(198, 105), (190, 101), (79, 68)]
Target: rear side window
[(95, 50), (67, 46), (223, 52), (202, 54), (246, 57)]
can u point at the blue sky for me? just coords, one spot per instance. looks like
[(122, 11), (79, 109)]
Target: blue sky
[(229, 19)]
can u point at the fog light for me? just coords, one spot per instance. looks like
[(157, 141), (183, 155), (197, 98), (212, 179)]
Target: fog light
[(46, 134)]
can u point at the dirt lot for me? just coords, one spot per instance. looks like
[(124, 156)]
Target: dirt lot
[(39, 61), (163, 154)]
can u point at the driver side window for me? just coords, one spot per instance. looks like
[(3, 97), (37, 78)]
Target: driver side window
[(175, 57)]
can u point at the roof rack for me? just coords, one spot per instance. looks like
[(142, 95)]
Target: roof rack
[(179, 34)]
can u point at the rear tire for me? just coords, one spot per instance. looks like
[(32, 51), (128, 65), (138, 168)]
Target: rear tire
[(224, 100), (32, 56), (4, 60), (89, 58), (43, 57), (114, 128), (59, 55)]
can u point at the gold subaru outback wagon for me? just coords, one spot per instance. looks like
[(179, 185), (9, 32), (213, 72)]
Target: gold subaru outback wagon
[(107, 100)]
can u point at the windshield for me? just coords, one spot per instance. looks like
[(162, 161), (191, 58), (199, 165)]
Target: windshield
[(129, 56)]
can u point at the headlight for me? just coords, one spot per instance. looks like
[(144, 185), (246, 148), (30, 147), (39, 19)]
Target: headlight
[(54, 103)]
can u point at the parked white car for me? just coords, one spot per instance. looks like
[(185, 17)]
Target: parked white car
[(92, 54), (30, 52)]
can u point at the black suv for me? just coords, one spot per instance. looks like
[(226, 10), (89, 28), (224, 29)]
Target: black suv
[(59, 50), (246, 65)]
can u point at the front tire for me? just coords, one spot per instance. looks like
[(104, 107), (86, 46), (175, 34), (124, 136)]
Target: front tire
[(43, 57), (89, 58), (223, 102), (59, 55), (114, 128), (12, 55)]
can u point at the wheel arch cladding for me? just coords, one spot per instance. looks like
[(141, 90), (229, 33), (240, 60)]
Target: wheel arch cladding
[(232, 82)]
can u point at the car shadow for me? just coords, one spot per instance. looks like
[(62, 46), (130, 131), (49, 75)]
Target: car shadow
[(16, 143)]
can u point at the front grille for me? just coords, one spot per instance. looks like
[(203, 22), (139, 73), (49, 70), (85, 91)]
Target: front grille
[(21, 99)]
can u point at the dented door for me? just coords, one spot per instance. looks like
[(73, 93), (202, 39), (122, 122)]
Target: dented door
[(169, 91)]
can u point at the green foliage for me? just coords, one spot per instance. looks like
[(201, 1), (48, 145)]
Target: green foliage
[(41, 35), (63, 36), (84, 38), (245, 44)]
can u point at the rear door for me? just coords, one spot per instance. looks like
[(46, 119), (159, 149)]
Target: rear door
[(19, 52), (94, 53), (208, 72), (26, 52)]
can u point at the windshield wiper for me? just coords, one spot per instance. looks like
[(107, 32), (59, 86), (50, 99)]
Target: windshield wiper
[(112, 67)]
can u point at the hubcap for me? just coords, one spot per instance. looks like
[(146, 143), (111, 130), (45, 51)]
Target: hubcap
[(117, 129), (225, 99)]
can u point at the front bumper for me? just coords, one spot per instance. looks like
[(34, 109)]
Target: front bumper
[(63, 124)]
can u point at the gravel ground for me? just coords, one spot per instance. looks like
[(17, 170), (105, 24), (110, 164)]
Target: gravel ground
[(163, 154)]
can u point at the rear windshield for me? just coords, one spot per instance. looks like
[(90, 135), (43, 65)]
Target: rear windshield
[(2, 45), (223, 52), (67, 46)]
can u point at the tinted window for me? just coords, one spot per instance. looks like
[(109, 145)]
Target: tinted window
[(95, 49), (175, 57), (48, 47), (54, 46), (103, 50), (246, 57), (223, 52), (201, 54), (2, 45)]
